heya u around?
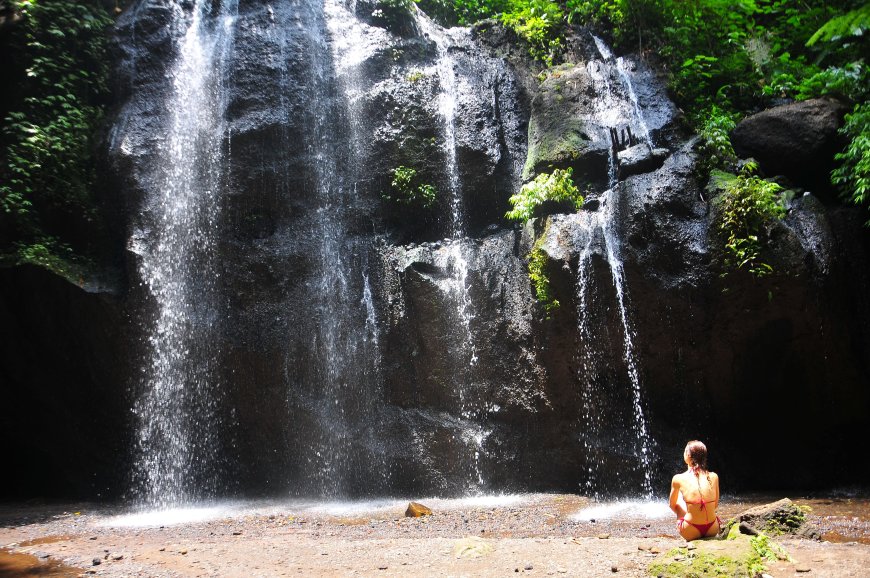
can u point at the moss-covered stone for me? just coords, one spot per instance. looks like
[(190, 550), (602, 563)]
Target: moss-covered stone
[(742, 556), (562, 129)]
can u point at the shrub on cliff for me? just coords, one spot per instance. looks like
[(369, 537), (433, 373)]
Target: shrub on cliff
[(555, 186), (853, 175), (53, 106), (748, 206)]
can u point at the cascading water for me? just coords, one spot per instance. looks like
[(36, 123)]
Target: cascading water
[(455, 257), (177, 451), (342, 377), (265, 290), (613, 107)]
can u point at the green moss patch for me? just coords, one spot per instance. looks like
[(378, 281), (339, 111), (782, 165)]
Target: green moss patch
[(742, 557)]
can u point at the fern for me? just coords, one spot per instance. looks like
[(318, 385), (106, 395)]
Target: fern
[(853, 23)]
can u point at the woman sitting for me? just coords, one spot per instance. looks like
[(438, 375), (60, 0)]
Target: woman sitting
[(695, 495)]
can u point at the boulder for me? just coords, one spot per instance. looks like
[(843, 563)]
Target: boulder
[(416, 510), (564, 130), (640, 159), (776, 518), (797, 140)]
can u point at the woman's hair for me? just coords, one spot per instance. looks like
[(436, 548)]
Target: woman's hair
[(697, 455)]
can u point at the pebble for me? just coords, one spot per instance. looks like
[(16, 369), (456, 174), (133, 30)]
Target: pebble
[(802, 568), (529, 566), (614, 568), (603, 536), (118, 557), (383, 567), (96, 561)]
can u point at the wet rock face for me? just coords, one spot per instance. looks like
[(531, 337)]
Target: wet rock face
[(65, 405), (563, 130), (578, 108), (731, 360), (476, 390), (401, 118), (797, 140)]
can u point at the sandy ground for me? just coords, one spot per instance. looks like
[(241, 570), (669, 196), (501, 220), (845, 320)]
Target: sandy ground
[(533, 536)]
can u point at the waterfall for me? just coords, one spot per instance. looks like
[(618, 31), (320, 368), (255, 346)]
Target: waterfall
[(455, 253), (343, 377), (612, 107), (621, 103), (177, 455), (643, 133)]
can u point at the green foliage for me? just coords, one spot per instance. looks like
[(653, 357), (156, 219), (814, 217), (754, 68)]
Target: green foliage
[(748, 206), (763, 551), (47, 172), (853, 175), (850, 81), (840, 28), (392, 14), (539, 23), (406, 189), (415, 76), (629, 21), (555, 186), (716, 126), (540, 280), (470, 11)]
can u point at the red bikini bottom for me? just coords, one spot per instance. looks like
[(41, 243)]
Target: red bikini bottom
[(702, 528)]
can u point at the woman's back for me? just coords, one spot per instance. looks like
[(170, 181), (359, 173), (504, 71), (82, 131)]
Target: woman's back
[(700, 491), (695, 495)]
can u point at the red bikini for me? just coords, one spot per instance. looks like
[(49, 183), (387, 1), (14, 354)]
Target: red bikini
[(702, 528)]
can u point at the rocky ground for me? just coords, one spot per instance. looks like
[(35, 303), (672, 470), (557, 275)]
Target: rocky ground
[(532, 535)]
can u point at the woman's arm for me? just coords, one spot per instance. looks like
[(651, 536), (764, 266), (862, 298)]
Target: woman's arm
[(673, 501), (716, 487)]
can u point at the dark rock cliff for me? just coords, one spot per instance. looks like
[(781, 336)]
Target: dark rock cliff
[(65, 359), (364, 348)]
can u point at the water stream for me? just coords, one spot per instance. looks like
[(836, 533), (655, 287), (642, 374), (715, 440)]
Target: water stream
[(176, 455), (598, 230), (456, 251)]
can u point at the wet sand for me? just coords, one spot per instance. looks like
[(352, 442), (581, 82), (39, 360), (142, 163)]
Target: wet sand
[(544, 535)]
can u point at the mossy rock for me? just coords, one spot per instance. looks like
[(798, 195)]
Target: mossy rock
[(741, 557), (563, 131)]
